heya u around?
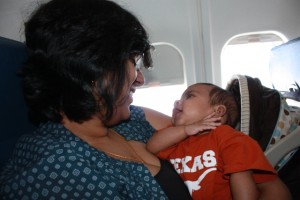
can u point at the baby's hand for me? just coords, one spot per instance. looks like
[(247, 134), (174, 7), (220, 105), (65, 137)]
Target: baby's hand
[(207, 123)]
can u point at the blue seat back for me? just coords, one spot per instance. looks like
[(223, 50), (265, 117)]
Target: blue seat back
[(13, 117)]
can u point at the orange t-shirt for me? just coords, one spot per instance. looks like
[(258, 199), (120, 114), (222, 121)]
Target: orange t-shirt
[(205, 161)]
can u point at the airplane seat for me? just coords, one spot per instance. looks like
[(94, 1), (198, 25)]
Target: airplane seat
[(266, 115), (285, 76), (13, 118)]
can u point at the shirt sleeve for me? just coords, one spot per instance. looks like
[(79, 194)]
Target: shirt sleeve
[(164, 154), (240, 152)]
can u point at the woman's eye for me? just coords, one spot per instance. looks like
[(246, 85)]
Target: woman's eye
[(132, 61), (137, 67), (138, 63)]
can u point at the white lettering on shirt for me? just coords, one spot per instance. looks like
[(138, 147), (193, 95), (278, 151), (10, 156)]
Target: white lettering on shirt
[(189, 164), (207, 159)]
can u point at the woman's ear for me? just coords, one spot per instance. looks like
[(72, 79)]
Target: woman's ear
[(220, 110)]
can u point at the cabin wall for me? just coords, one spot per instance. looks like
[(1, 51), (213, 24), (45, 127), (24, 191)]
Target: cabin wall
[(199, 28), (12, 15), (177, 22), (232, 17), (172, 21)]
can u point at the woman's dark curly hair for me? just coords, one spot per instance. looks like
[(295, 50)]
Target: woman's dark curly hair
[(77, 58)]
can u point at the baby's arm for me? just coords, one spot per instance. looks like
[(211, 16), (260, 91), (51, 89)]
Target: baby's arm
[(243, 186), (274, 190), (167, 137)]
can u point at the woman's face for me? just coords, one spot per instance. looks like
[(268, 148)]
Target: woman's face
[(193, 106), (135, 79)]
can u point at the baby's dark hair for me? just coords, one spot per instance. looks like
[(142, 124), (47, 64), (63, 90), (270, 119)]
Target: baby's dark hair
[(77, 58), (219, 96)]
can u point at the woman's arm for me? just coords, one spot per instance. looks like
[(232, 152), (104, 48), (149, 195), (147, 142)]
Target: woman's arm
[(156, 119), (242, 186)]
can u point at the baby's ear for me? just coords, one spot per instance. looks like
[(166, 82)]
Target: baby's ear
[(220, 110)]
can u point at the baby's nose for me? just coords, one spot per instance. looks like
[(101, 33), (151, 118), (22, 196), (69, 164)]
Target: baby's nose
[(177, 104)]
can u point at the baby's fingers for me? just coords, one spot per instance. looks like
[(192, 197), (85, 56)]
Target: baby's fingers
[(211, 118), (195, 129), (211, 115)]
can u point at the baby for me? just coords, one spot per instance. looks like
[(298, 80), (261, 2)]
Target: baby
[(216, 162)]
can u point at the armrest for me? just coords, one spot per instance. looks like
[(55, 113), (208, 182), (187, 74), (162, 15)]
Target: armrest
[(284, 146)]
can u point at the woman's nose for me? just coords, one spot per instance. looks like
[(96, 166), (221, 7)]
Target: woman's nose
[(140, 79)]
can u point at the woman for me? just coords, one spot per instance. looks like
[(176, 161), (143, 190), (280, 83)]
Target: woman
[(83, 67)]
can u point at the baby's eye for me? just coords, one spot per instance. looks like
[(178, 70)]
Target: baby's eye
[(190, 95)]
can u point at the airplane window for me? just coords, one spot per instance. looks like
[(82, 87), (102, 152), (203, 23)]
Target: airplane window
[(165, 82), (160, 98), (249, 54)]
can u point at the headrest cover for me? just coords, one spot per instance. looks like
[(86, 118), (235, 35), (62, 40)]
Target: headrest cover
[(259, 105)]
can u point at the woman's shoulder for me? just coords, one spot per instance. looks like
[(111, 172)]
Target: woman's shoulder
[(157, 119), (136, 127), (52, 145), (137, 113), (48, 132), (50, 141)]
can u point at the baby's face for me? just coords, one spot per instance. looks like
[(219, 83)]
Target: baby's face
[(193, 106)]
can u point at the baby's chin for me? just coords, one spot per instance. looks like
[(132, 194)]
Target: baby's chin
[(177, 122), (183, 121)]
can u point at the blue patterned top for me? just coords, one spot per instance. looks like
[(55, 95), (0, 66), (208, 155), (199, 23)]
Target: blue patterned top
[(52, 163)]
